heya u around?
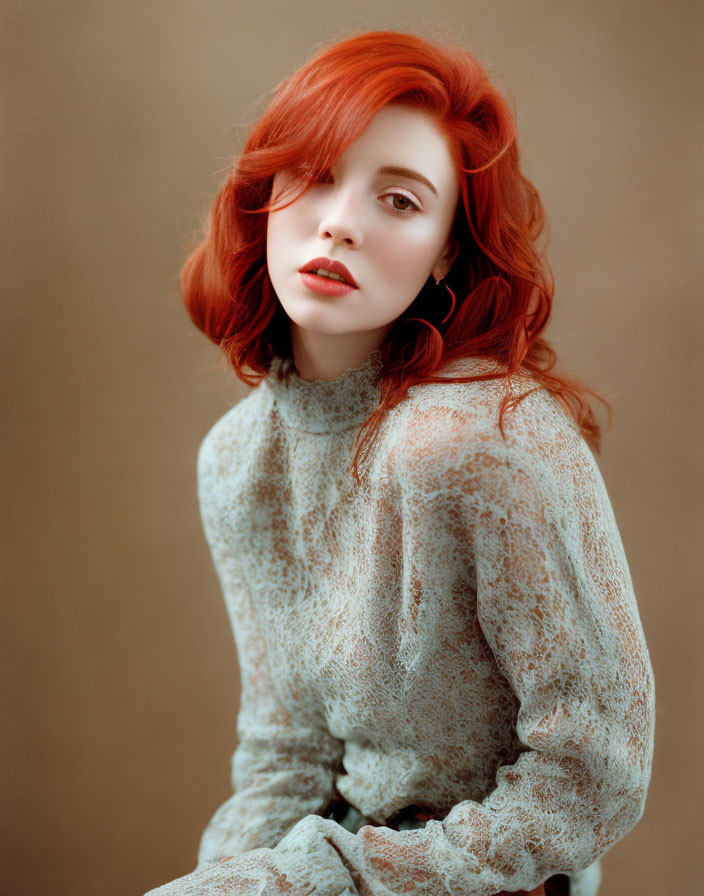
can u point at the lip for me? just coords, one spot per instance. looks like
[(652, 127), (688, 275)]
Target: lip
[(330, 264), (325, 286)]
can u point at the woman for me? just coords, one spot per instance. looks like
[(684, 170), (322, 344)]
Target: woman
[(445, 681)]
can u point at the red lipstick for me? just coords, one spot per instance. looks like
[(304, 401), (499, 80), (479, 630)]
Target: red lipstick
[(327, 286)]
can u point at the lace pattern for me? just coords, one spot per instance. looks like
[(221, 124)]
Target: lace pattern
[(459, 632), (325, 405)]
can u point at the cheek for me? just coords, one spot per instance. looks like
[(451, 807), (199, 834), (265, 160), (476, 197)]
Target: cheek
[(409, 258), (279, 236)]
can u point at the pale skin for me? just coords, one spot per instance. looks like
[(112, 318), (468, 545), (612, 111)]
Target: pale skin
[(392, 232)]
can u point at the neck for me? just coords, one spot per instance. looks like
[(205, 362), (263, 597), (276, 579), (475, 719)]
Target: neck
[(321, 356)]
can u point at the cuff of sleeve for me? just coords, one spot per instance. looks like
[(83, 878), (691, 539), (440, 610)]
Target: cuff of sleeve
[(460, 870), (313, 865)]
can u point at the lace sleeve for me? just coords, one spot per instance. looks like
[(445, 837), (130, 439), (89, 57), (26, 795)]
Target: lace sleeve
[(283, 768), (556, 604)]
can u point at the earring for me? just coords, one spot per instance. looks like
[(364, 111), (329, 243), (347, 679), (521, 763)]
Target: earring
[(437, 283)]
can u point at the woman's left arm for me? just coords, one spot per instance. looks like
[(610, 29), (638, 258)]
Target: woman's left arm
[(555, 602)]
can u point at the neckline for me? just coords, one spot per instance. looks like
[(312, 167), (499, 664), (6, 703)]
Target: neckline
[(323, 406)]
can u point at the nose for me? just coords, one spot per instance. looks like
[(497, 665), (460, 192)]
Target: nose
[(341, 221)]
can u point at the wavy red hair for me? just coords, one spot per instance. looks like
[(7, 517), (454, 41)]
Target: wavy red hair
[(502, 282)]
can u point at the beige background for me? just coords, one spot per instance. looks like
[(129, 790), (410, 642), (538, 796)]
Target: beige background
[(120, 676)]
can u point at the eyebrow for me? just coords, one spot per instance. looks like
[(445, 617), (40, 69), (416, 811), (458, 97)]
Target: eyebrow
[(398, 171)]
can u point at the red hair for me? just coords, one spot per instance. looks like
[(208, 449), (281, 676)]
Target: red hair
[(502, 283)]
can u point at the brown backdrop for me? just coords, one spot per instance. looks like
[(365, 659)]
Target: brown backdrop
[(120, 676)]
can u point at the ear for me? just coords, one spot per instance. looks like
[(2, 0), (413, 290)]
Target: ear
[(444, 263)]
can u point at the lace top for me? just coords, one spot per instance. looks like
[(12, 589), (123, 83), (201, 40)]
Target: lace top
[(458, 632)]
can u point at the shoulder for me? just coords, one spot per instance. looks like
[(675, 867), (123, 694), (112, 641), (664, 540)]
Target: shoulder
[(230, 443), (450, 430)]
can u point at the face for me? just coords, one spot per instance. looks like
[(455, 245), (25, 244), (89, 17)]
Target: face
[(390, 229)]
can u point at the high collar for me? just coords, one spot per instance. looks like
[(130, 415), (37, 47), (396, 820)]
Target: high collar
[(324, 406)]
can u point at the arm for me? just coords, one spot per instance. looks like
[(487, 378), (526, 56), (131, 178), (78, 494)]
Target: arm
[(556, 604), (283, 769)]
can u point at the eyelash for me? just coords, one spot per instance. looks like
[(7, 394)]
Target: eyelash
[(402, 212)]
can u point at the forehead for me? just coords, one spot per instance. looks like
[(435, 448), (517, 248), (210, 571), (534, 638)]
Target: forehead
[(404, 136)]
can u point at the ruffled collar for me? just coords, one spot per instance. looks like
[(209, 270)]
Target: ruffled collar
[(324, 406)]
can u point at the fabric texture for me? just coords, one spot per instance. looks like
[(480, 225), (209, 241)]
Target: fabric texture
[(413, 818), (458, 633)]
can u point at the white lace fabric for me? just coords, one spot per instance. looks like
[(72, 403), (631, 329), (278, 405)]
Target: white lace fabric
[(459, 631)]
